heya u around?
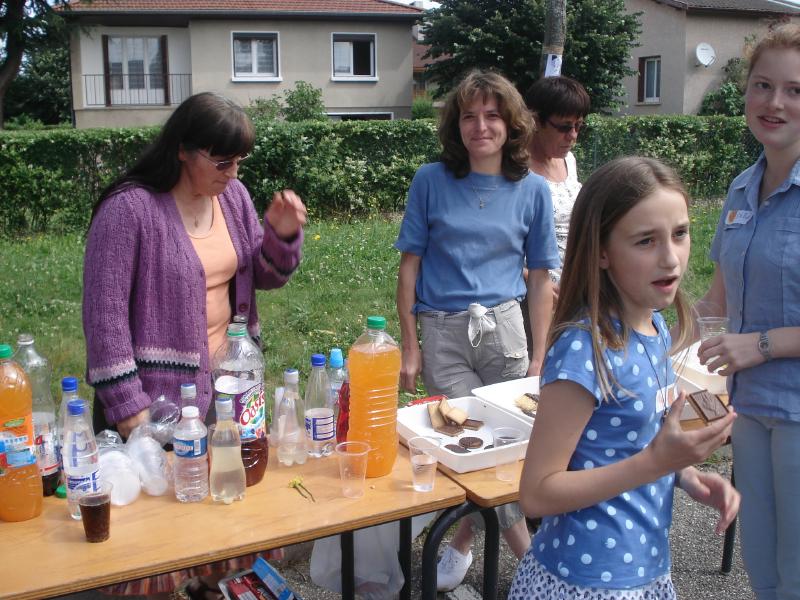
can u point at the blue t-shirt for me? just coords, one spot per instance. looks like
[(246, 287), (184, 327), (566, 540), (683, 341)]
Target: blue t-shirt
[(473, 254), (757, 247), (623, 542)]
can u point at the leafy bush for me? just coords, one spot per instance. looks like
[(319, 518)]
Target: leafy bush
[(422, 108), (304, 103), (727, 100), (49, 180)]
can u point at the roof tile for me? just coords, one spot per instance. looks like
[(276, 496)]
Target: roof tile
[(228, 6)]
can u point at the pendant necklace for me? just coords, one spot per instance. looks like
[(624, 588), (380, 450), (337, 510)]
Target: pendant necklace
[(661, 389), (482, 200)]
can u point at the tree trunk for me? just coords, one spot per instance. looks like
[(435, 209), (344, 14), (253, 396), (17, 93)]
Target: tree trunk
[(14, 26), (555, 32)]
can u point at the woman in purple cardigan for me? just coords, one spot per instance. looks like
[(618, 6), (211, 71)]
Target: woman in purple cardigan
[(175, 249)]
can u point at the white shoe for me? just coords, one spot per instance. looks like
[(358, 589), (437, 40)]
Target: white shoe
[(452, 569)]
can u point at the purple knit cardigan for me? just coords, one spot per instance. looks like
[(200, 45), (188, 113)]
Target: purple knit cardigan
[(144, 295)]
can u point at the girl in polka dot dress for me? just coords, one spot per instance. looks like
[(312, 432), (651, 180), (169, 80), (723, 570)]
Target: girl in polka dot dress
[(607, 448)]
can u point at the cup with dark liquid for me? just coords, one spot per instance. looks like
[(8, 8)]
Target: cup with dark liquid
[(96, 513)]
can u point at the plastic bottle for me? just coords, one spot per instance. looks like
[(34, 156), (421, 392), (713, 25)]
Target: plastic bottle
[(188, 394), (191, 457), (239, 375), (320, 426), (69, 391), (343, 408), (20, 483), (44, 412), (227, 479), (336, 376), (80, 456), (291, 438), (374, 368)]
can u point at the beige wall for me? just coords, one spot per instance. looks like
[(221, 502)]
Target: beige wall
[(204, 49), (663, 34)]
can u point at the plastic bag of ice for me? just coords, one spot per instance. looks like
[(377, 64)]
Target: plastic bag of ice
[(155, 472)]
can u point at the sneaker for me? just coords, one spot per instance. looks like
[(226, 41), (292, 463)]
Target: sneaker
[(452, 569)]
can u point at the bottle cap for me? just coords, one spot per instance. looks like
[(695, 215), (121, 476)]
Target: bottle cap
[(291, 376), (240, 319), (24, 339), (189, 412), (337, 360), (69, 384), (5, 351), (317, 360), (376, 322), (61, 491), (188, 391), (224, 407), (76, 407)]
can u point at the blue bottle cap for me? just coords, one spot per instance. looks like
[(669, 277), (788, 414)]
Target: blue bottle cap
[(337, 360), (69, 384), (317, 360), (75, 407)]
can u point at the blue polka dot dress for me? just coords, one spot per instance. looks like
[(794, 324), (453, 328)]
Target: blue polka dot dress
[(621, 544)]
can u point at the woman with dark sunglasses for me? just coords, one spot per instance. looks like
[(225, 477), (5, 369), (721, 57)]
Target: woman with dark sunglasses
[(175, 249)]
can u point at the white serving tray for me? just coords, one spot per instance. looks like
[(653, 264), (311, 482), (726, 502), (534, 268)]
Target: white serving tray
[(414, 420), (503, 395), (691, 370), (687, 386)]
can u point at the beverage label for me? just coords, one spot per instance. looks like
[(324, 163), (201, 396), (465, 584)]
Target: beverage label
[(89, 482), (20, 428), (190, 448), (46, 451), (319, 424), (248, 405)]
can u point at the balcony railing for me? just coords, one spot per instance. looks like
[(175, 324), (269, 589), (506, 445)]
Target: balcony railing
[(137, 89)]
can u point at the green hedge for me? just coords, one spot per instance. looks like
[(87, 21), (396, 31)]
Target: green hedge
[(50, 179)]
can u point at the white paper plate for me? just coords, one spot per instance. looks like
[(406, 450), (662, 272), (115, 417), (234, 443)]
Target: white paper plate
[(688, 366)]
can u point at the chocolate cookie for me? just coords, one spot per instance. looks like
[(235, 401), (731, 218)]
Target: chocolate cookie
[(473, 424), (470, 442), (457, 449), (449, 430)]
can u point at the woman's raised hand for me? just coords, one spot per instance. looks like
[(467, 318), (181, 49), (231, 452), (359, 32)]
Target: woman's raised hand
[(127, 425), (673, 448), (286, 214), (730, 352)]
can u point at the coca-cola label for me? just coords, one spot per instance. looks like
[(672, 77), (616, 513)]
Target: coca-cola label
[(248, 405), (46, 451), (189, 448)]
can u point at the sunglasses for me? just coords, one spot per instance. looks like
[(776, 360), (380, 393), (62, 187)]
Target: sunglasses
[(224, 165), (567, 127)]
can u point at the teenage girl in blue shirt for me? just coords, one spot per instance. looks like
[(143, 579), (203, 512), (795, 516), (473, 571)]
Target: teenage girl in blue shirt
[(607, 446), (757, 285)]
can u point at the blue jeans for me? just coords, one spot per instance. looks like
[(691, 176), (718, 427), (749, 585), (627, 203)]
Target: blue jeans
[(766, 455)]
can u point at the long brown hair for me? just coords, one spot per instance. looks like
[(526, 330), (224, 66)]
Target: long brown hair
[(486, 84), (587, 291)]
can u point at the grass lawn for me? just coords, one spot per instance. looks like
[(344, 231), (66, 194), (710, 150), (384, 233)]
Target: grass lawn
[(348, 272)]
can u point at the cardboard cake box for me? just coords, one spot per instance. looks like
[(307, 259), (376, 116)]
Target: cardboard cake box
[(414, 421), (262, 582)]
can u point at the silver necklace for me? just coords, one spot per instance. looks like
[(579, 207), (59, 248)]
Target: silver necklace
[(482, 200), (661, 388)]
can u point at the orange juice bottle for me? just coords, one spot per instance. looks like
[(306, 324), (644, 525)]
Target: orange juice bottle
[(374, 364), (20, 484)]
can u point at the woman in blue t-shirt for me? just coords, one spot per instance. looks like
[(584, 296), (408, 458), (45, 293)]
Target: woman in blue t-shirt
[(607, 445)]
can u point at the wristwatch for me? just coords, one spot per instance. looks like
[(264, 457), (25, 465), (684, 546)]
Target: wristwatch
[(764, 346)]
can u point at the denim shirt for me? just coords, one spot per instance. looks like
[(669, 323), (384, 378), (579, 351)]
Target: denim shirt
[(757, 249)]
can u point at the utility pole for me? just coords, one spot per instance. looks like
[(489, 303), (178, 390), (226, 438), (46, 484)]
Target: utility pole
[(555, 32)]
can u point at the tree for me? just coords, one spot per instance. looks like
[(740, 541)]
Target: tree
[(22, 22), (41, 90), (507, 36)]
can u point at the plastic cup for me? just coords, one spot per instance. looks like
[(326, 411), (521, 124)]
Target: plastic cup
[(96, 513), (423, 462), (352, 467), (712, 326), (506, 458)]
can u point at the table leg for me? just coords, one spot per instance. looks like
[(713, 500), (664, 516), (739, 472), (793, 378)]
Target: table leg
[(491, 553), (404, 555), (730, 538), (348, 568)]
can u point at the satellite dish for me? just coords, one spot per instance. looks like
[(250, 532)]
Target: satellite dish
[(705, 54)]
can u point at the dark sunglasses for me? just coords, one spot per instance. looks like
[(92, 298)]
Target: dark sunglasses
[(567, 127), (224, 165)]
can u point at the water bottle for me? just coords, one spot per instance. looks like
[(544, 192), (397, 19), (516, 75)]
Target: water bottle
[(69, 392), (44, 412), (188, 394), (291, 438), (239, 375), (336, 377), (320, 426), (191, 456), (374, 369), (80, 456), (20, 483), (227, 479)]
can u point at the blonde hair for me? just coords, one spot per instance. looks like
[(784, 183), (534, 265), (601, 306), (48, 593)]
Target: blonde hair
[(783, 37), (587, 292), (519, 123)]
